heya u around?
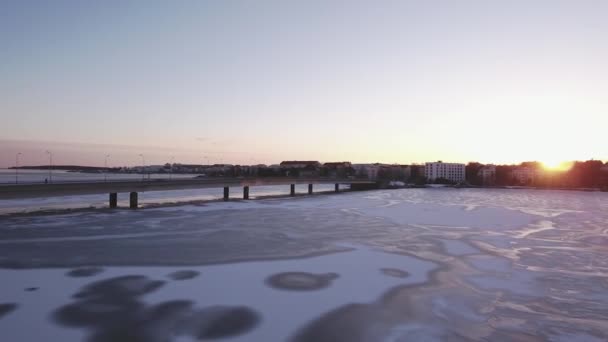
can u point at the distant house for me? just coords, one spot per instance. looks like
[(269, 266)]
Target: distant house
[(525, 175), (487, 174), (337, 169), (149, 168), (299, 164), (338, 165), (417, 171), (301, 168), (379, 171), (273, 170), (219, 170), (367, 171), (253, 170), (189, 168), (394, 172)]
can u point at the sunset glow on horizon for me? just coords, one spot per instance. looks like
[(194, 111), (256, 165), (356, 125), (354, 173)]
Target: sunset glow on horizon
[(246, 83), (557, 165)]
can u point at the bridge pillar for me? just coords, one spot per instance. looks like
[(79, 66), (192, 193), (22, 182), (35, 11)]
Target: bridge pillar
[(133, 200), (226, 193), (245, 192), (337, 187), (292, 189), (310, 189), (113, 200)]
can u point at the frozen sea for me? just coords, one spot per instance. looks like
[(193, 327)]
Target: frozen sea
[(388, 265)]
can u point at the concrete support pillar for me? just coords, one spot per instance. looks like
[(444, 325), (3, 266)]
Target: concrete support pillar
[(310, 189), (113, 200), (226, 193), (337, 188), (133, 200), (292, 191), (245, 192)]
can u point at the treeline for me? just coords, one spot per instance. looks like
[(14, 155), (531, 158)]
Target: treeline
[(581, 174)]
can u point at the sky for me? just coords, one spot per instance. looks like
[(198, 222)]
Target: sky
[(265, 81)]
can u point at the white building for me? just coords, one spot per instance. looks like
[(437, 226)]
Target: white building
[(451, 171)]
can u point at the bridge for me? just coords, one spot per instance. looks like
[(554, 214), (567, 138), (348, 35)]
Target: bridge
[(20, 191)]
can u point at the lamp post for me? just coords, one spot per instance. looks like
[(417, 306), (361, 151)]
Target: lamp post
[(17, 167), (50, 166), (252, 166), (105, 167), (171, 168), (143, 165)]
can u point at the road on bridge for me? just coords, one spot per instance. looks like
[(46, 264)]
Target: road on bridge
[(16, 191)]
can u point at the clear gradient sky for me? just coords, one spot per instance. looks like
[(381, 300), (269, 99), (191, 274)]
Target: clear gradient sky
[(264, 81)]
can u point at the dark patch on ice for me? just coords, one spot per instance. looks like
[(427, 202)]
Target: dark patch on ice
[(6, 308), (84, 272), (183, 275), (120, 288), (343, 324), (221, 322), (111, 309), (370, 322), (107, 303), (300, 281), (394, 272), (30, 289)]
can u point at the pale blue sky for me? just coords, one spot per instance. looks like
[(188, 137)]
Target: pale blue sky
[(263, 81)]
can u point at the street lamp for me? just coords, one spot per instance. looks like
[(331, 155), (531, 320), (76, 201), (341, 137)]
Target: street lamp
[(50, 165), (143, 164), (105, 167), (17, 167)]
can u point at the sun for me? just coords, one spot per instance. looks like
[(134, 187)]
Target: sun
[(556, 165)]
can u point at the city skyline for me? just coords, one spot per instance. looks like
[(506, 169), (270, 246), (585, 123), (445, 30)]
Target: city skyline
[(241, 83)]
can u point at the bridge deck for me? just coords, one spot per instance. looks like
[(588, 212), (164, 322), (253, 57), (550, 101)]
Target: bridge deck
[(89, 188)]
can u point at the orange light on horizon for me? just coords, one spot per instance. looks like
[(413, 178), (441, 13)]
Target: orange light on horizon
[(556, 165)]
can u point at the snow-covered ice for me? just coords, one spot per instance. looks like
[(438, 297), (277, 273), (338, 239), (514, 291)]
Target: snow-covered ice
[(414, 264)]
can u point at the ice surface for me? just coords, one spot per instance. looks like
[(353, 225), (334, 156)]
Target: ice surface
[(457, 247), (414, 264), (231, 284)]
